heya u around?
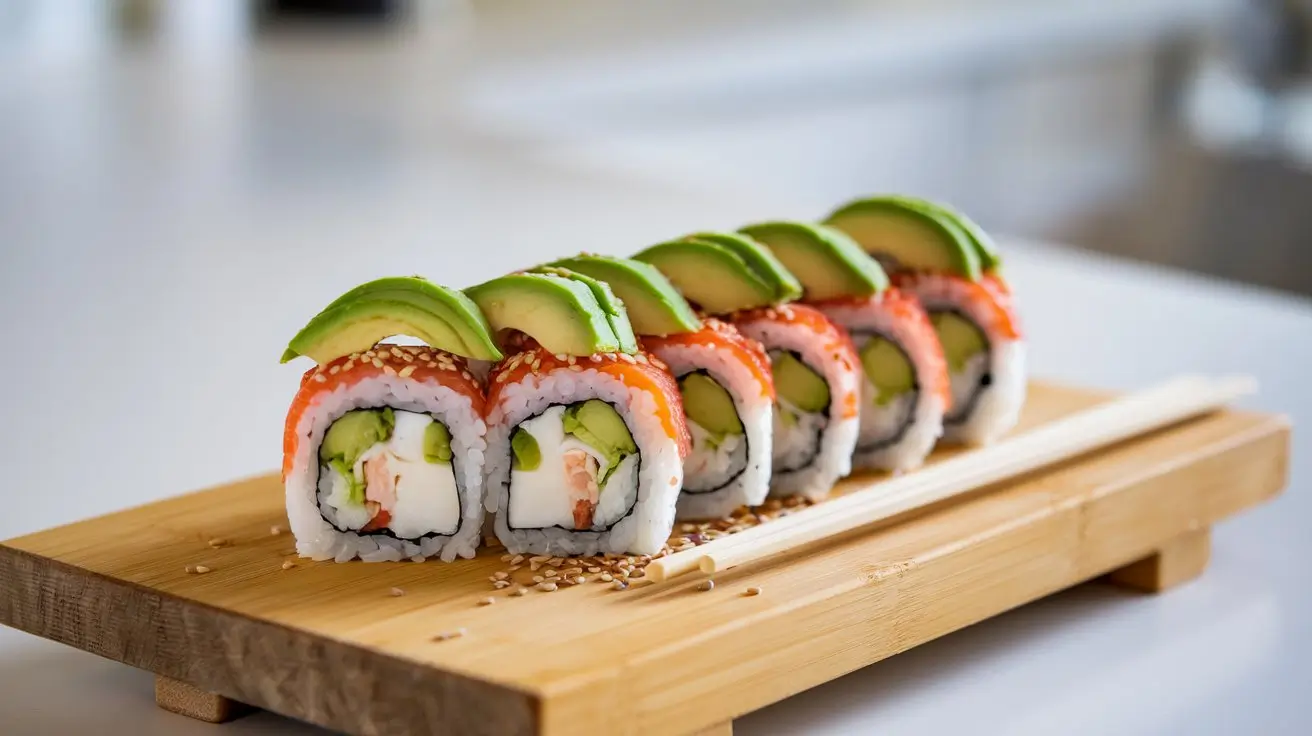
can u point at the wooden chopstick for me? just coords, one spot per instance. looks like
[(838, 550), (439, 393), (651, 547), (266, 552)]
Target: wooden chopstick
[(1102, 425)]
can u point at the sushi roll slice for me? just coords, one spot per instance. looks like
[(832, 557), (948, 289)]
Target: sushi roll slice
[(586, 434), (953, 268), (815, 368), (905, 388), (383, 446), (724, 380)]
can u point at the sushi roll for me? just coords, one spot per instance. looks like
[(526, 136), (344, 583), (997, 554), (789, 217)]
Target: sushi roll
[(724, 380), (383, 446), (905, 388), (814, 365), (953, 268), (586, 434)]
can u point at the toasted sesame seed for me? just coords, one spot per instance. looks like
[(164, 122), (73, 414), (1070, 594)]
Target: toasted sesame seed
[(431, 364), (606, 577), (754, 590), (706, 585), (505, 558), (288, 564), (501, 576), (348, 365), (546, 587), (389, 370), (454, 634), (579, 580), (638, 573), (396, 592), (370, 354), (538, 579), (377, 363), (501, 584), (560, 357), (487, 601), (627, 358), (513, 568), (397, 352), (551, 573), (516, 559), (572, 360), (594, 358), (332, 371), (406, 371), (571, 571), (275, 530), (520, 591), (218, 542), (191, 569), (594, 569), (619, 585), (200, 569), (319, 378)]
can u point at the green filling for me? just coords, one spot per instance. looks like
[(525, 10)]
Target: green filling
[(350, 437), (525, 454), (437, 443), (798, 384), (887, 369), (597, 424), (355, 492), (961, 338), (708, 404)]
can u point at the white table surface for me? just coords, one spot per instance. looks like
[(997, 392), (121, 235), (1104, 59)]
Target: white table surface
[(147, 288)]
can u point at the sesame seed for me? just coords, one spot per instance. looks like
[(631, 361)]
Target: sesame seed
[(333, 370), (397, 352), (606, 577), (571, 571), (348, 365), (594, 358), (706, 585), (199, 570), (487, 601), (505, 558), (627, 358), (560, 357), (218, 542), (370, 354), (571, 360), (406, 371), (538, 579), (396, 592), (594, 569), (446, 635), (546, 587), (501, 584), (389, 370), (319, 378), (431, 364), (275, 530), (354, 356), (638, 573), (288, 564), (579, 580), (191, 569), (754, 590), (520, 592), (500, 576), (551, 573), (619, 585), (377, 363), (516, 559)]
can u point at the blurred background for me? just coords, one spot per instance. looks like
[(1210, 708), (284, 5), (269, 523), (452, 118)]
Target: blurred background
[(1172, 131)]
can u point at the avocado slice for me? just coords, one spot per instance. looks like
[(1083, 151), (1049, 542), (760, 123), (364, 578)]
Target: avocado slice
[(616, 312), (409, 305), (354, 433), (560, 313), (985, 248), (437, 443), (654, 305), (887, 368), (710, 275), (908, 235), (797, 383), (526, 455), (598, 425), (758, 258), (709, 405), (961, 338), (827, 262)]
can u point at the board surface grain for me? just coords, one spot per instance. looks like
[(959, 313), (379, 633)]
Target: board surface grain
[(330, 644)]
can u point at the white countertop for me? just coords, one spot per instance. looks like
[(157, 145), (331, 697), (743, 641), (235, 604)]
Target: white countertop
[(148, 288)]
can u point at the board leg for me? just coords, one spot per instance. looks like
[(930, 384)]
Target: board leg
[(192, 702), (1179, 561), (719, 729)]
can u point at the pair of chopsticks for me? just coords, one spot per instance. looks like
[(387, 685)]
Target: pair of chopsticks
[(1074, 435)]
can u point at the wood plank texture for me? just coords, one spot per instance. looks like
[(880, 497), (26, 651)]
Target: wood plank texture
[(327, 643), (192, 702), (1178, 561)]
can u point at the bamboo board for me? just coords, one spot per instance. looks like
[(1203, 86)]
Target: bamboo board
[(329, 644)]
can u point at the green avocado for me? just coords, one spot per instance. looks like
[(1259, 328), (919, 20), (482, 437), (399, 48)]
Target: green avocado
[(616, 312), (408, 305), (709, 405), (561, 314), (887, 369), (758, 258), (961, 338), (437, 443), (798, 384), (524, 447), (596, 424), (710, 275), (985, 248), (654, 305), (826, 261), (354, 433), (908, 235)]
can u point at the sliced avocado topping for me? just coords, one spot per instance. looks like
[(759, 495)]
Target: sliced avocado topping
[(798, 384), (961, 338), (354, 433), (827, 262), (616, 313), (758, 258), (654, 305), (443, 318), (887, 369), (560, 313), (985, 248), (904, 235), (596, 424), (437, 443), (709, 405), (525, 454), (712, 276)]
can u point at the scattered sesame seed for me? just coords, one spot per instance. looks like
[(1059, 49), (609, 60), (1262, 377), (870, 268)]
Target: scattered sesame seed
[(638, 573), (551, 573), (505, 558), (520, 592), (348, 365), (455, 634), (275, 530), (606, 577), (538, 579), (579, 580), (487, 601), (619, 585), (389, 370), (334, 369), (431, 364), (706, 585), (377, 363), (199, 570), (370, 354), (397, 352), (191, 569), (406, 371), (754, 590), (516, 559), (627, 358), (501, 576), (319, 378), (288, 564), (567, 572), (594, 569), (501, 584), (396, 592), (218, 542), (546, 587)]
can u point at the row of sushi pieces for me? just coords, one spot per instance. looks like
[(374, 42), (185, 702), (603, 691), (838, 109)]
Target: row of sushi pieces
[(588, 403)]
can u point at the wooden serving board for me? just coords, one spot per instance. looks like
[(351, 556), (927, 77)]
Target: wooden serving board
[(328, 643)]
